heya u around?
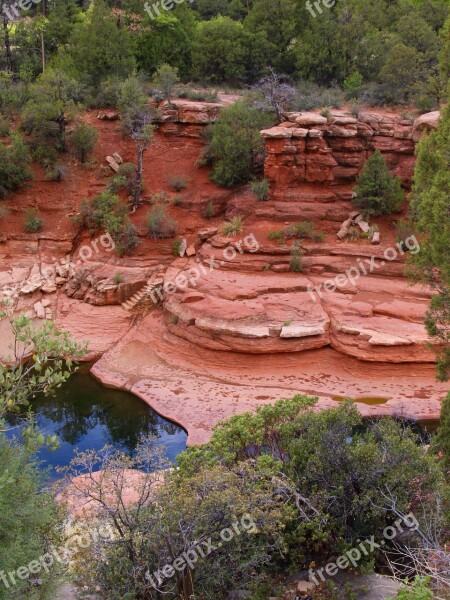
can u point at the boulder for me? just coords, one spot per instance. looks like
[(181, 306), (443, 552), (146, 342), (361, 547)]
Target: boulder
[(190, 251), (117, 158), (311, 119), (108, 116), (315, 133), (426, 122), (276, 133), (183, 247), (364, 226), (30, 286), (112, 163), (375, 238), (49, 288), (299, 132), (345, 228), (205, 234)]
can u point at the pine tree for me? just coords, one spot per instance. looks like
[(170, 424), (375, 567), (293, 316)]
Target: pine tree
[(431, 206), (378, 191), (441, 442)]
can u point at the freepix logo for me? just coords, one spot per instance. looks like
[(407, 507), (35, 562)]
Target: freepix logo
[(200, 550), (154, 11), (11, 11)]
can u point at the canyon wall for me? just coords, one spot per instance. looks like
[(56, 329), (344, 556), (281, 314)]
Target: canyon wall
[(312, 162)]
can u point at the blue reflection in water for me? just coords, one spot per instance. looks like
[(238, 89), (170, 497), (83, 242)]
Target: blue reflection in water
[(86, 415)]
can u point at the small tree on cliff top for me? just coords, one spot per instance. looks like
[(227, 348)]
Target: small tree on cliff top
[(378, 191), (137, 119), (166, 77), (274, 93)]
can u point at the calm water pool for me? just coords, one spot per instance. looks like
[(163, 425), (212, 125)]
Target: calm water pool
[(86, 415)]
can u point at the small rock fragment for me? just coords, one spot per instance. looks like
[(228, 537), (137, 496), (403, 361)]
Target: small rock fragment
[(40, 310), (364, 226), (183, 247), (376, 237), (112, 163)]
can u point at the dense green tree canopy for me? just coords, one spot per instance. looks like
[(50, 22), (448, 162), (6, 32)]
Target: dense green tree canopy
[(431, 207)]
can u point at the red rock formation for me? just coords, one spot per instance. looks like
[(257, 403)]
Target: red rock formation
[(310, 158)]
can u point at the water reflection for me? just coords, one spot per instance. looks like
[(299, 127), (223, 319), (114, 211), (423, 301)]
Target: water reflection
[(86, 415)]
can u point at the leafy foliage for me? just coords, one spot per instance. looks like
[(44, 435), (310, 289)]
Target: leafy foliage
[(236, 146), (261, 188), (107, 212), (166, 77), (32, 223), (29, 522), (84, 139), (160, 225), (233, 226), (431, 193), (378, 191), (14, 165), (336, 466), (441, 441), (183, 514), (52, 105)]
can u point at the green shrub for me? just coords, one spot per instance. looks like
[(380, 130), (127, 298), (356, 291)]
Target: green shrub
[(210, 211), (108, 94), (326, 112), (159, 224), (424, 103), (278, 236), (311, 95), (102, 211), (44, 155), (233, 226), (178, 182), (441, 441), (4, 127), (378, 191), (28, 521), (236, 148), (300, 231), (125, 237), (32, 223), (118, 278), (161, 198), (198, 95), (304, 230), (355, 109), (84, 139), (123, 179), (176, 247), (14, 165), (296, 259), (261, 189), (352, 84), (418, 590), (106, 211)]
